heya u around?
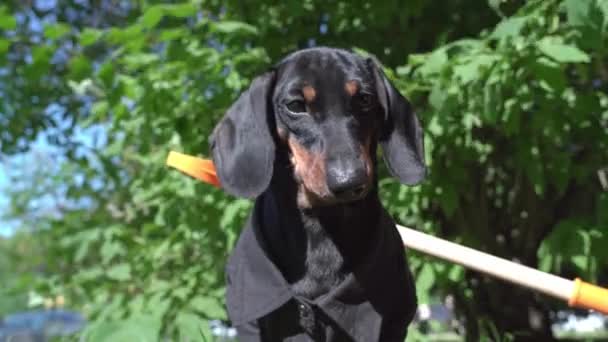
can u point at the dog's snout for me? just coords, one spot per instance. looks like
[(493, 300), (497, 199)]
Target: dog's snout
[(347, 180)]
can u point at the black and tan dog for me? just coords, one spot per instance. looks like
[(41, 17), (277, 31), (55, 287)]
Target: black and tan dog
[(319, 259)]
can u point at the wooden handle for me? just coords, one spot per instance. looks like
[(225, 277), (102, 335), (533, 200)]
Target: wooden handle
[(500, 268), (577, 293)]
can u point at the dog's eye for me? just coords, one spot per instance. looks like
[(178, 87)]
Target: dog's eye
[(365, 100), (297, 106)]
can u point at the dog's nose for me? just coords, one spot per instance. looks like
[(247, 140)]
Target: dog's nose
[(348, 180)]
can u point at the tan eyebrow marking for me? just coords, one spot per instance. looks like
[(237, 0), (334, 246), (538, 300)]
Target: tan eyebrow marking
[(351, 87), (309, 93)]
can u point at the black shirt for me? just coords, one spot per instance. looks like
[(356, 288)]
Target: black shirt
[(374, 303)]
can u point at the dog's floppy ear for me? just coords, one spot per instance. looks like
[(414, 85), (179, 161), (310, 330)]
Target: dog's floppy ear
[(242, 146), (401, 134)]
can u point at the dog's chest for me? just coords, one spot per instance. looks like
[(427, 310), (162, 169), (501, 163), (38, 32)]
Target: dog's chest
[(324, 269), (326, 265)]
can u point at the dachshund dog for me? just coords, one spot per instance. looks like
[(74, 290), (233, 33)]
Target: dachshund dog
[(319, 259)]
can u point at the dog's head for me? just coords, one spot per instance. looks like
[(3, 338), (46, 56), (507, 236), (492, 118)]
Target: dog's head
[(329, 108)]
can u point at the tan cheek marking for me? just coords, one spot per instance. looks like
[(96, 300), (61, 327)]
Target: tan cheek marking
[(309, 169), (351, 87), (366, 153), (309, 93)]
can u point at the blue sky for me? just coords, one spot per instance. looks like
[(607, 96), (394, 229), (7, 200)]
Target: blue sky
[(8, 227), (5, 227), (90, 138)]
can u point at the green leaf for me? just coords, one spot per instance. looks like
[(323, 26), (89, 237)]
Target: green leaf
[(4, 45), (7, 21), (456, 273), (120, 272), (209, 307), (90, 274), (181, 10), (434, 62), (234, 27), (160, 251), (89, 36), (80, 67), (425, 279), (545, 259), (491, 103), (107, 73), (159, 285), (234, 211), (193, 328), (82, 251), (172, 34), (139, 328), (577, 11), (550, 74), (56, 31), (42, 54), (495, 5), (109, 250), (138, 60), (152, 16), (603, 7), (508, 28), (100, 109), (137, 304), (580, 261), (437, 97), (126, 36), (561, 52), (158, 305), (470, 71), (131, 86), (181, 292)]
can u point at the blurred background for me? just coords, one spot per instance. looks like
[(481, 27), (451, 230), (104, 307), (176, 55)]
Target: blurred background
[(99, 241)]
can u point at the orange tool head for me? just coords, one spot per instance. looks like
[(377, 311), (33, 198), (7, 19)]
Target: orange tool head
[(589, 296), (199, 168)]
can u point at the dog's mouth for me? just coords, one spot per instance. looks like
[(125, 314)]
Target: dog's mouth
[(308, 198)]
